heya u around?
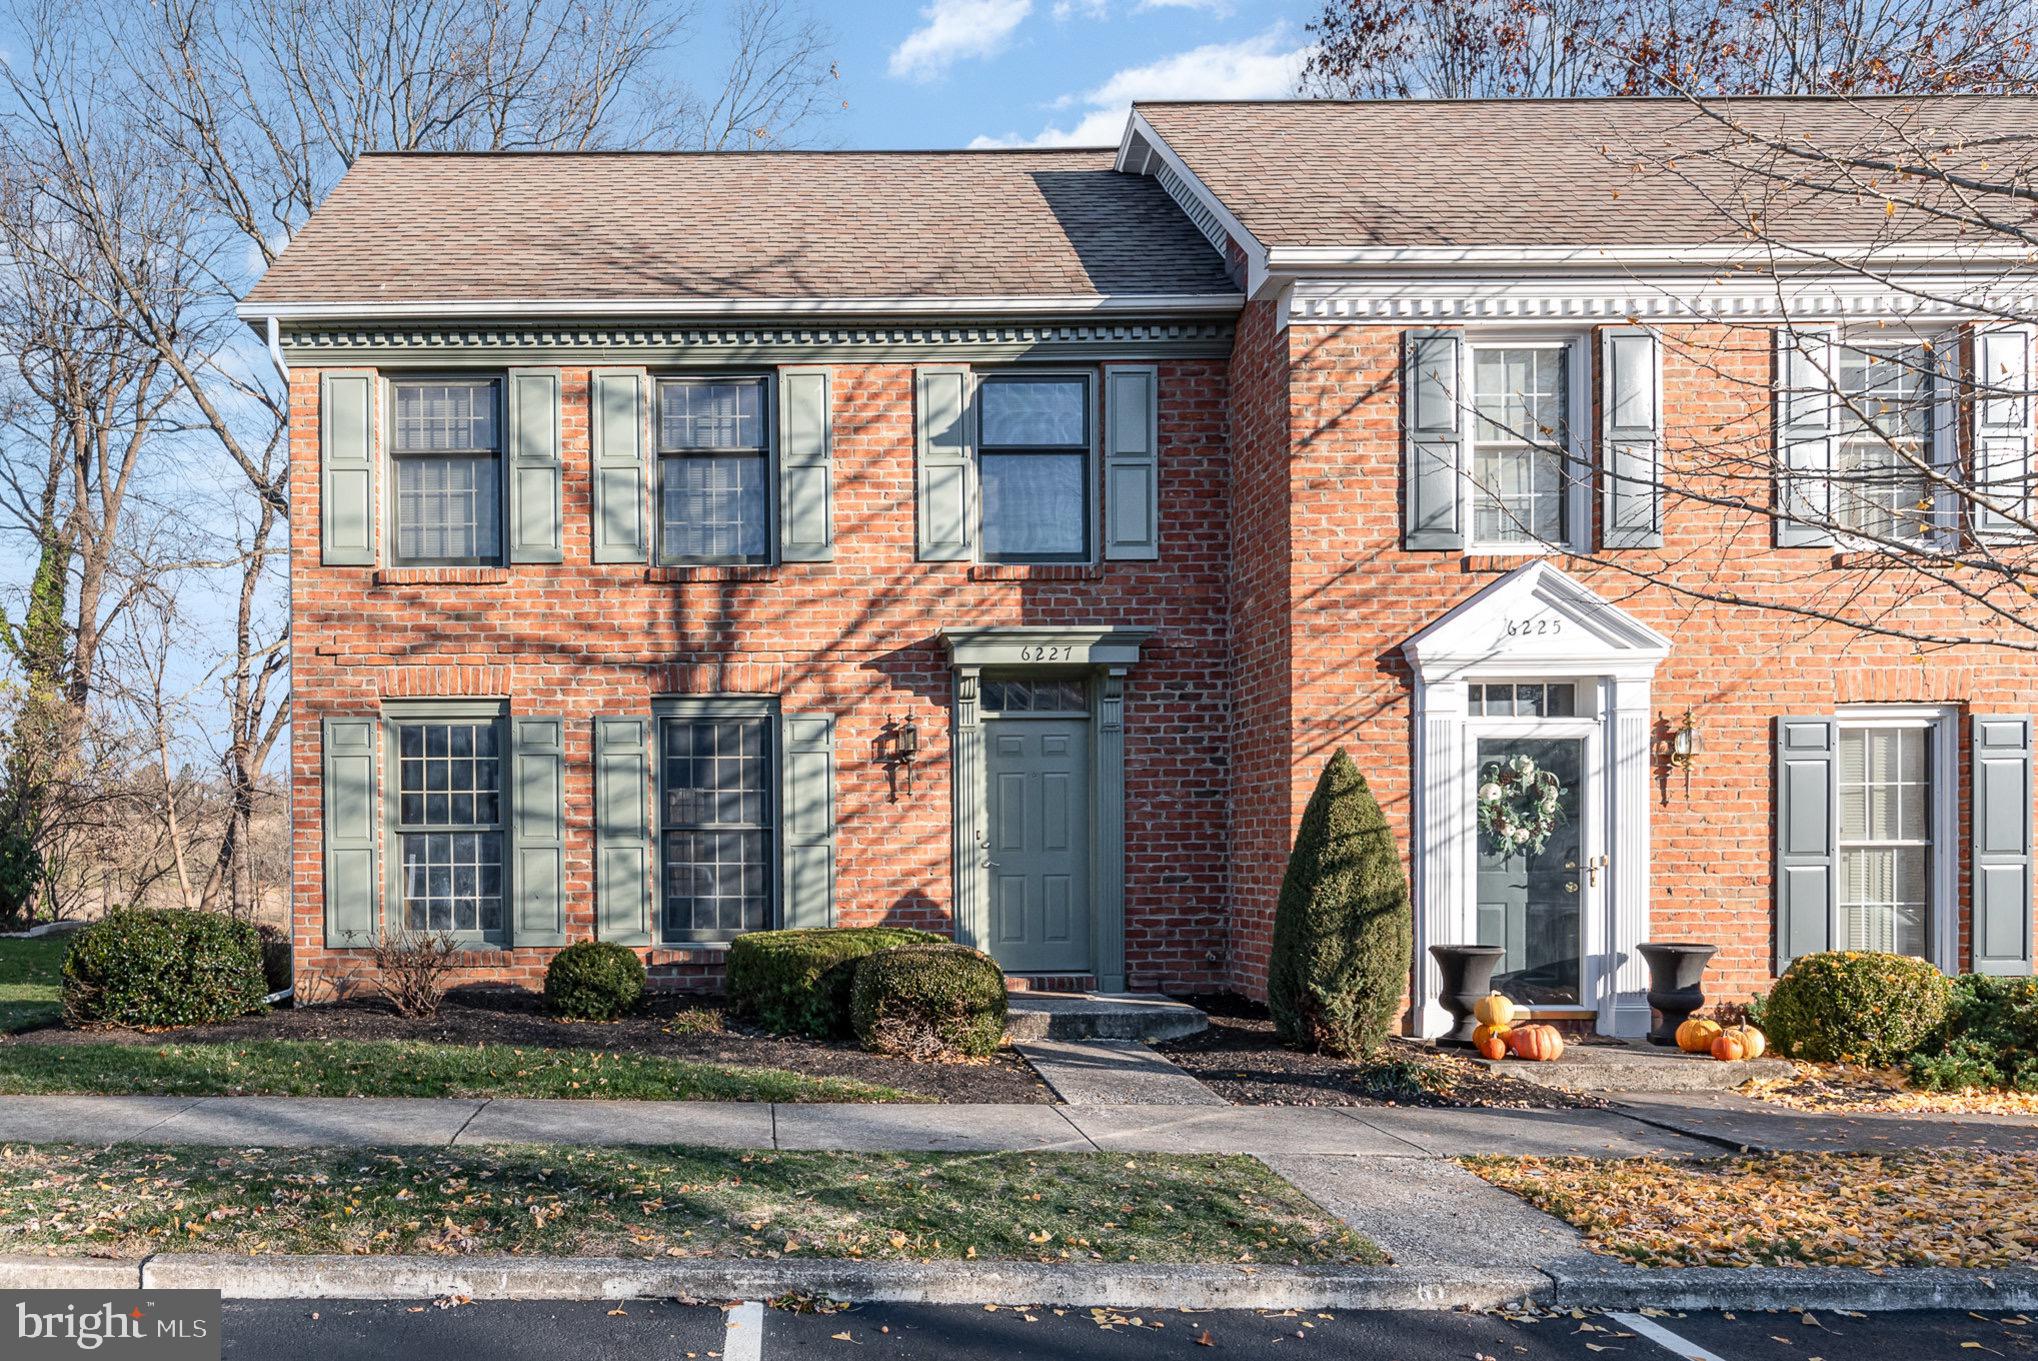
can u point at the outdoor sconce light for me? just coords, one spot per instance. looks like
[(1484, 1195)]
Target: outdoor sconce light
[(1684, 743), (898, 742)]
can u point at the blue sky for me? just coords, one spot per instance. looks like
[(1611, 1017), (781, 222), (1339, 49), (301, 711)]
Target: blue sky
[(951, 73)]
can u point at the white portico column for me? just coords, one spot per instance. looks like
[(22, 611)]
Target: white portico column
[(1442, 821), (1624, 1004)]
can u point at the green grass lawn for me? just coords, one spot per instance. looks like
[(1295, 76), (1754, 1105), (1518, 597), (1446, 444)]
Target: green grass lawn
[(29, 975), (663, 1202), (405, 1068)]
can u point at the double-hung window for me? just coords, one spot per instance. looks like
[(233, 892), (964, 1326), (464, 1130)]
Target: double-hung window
[(1034, 467), (1890, 831), (1521, 483), (717, 824), (714, 471), (1886, 410), (446, 451), (449, 825)]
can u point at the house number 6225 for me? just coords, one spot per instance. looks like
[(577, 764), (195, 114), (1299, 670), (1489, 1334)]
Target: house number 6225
[(1541, 627), (1047, 652)]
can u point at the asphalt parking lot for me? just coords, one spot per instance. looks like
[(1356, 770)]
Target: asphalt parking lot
[(641, 1330)]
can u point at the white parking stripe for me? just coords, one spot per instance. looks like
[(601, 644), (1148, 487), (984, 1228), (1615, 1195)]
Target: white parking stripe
[(1661, 1336), (745, 1338)]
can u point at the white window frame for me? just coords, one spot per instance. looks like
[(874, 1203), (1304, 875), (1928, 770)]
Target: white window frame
[(1943, 447), (1578, 448), (1942, 728)]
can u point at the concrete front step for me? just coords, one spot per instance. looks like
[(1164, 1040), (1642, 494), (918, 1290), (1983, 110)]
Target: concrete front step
[(1100, 1016), (1636, 1066)]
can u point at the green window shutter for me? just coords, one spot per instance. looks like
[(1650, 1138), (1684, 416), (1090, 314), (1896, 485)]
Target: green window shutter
[(1631, 442), (807, 793), (622, 830), (533, 408), (346, 469), (941, 411), (538, 831), (2002, 431), (348, 770), (1132, 474), (806, 446), (2001, 834), (1433, 439), (1804, 437), (1807, 858), (616, 430)]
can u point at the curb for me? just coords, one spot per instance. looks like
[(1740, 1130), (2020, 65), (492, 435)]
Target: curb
[(1560, 1284)]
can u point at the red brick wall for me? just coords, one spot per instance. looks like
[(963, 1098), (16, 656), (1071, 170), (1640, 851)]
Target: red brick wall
[(1356, 596), (855, 637)]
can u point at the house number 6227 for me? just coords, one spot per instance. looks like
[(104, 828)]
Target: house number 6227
[(1047, 652), (1541, 627)]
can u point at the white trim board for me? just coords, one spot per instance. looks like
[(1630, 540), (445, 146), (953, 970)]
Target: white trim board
[(603, 308)]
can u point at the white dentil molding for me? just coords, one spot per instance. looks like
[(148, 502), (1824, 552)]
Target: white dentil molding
[(1626, 298)]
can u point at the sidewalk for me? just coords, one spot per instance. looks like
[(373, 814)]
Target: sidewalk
[(1681, 1126)]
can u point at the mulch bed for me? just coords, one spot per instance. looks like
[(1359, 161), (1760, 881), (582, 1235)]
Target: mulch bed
[(678, 1027), (1239, 1058)]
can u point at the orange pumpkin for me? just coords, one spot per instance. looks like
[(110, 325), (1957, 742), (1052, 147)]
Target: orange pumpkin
[(1490, 1041), (1696, 1036), (1729, 1046), (1753, 1040), (1495, 1009), (1536, 1043)]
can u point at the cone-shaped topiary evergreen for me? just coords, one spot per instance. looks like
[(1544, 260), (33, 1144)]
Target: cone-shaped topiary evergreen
[(1342, 931)]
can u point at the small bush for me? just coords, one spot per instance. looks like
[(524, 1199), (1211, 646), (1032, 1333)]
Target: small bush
[(412, 968), (797, 982), (1989, 1041), (594, 980), (1856, 1006), (929, 1002), (1343, 931), (154, 968)]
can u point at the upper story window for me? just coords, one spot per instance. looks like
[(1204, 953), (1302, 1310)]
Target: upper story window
[(1886, 412), (714, 471), (449, 826), (1521, 436), (1033, 467), (446, 451)]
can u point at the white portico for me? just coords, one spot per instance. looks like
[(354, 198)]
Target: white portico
[(1537, 668)]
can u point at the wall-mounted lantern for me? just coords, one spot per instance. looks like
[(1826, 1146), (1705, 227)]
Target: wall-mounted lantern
[(1683, 743), (898, 743)]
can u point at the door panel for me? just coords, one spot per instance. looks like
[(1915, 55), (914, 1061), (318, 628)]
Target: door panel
[(1039, 844), (1531, 901)]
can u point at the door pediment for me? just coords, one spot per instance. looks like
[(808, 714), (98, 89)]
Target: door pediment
[(1536, 620)]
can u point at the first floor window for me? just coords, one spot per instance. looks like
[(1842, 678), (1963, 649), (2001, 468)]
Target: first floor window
[(714, 474), (1885, 839), (449, 826), (1521, 397), (1033, 467), (446, 448), (716, 826)]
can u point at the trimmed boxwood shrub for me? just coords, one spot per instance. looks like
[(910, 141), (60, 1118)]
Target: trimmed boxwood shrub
[(594, 980), (156, 967), (1343, 930), (929, 1001), (1856, 1006), (1989, 1041), (797, 982)]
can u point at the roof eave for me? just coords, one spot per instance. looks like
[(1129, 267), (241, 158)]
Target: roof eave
[(256, 311)]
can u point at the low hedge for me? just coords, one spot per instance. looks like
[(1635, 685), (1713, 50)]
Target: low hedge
[(1989, 1041), (929, 1001), (1856, 1006), (797, 982), (151, 968), (594, 980)]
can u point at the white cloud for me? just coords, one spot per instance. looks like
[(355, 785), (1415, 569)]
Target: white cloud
[(1263, 67), (1212, 6), (1065, 10), (954, 30)]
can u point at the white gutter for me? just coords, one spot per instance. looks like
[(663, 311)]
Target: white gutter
[(276, 349), (610, 309), (1808, 255)]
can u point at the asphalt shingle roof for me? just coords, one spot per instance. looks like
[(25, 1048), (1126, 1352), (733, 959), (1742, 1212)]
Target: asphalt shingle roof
[(1600, 172), (474, 228)]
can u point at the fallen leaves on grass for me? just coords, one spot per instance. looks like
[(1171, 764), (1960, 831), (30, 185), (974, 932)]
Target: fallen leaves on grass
[(1939, 1208), (1850, 1087)]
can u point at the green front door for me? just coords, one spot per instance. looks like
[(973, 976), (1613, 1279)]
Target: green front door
[(1037, 851)]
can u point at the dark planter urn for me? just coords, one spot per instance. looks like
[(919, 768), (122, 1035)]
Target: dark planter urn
[(1468, 976), (1676, 968)]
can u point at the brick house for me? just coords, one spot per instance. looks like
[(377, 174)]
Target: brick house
[(999, 542)]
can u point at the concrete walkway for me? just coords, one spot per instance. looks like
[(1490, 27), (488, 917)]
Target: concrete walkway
[(1114, 1073), (1738, 1122)]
